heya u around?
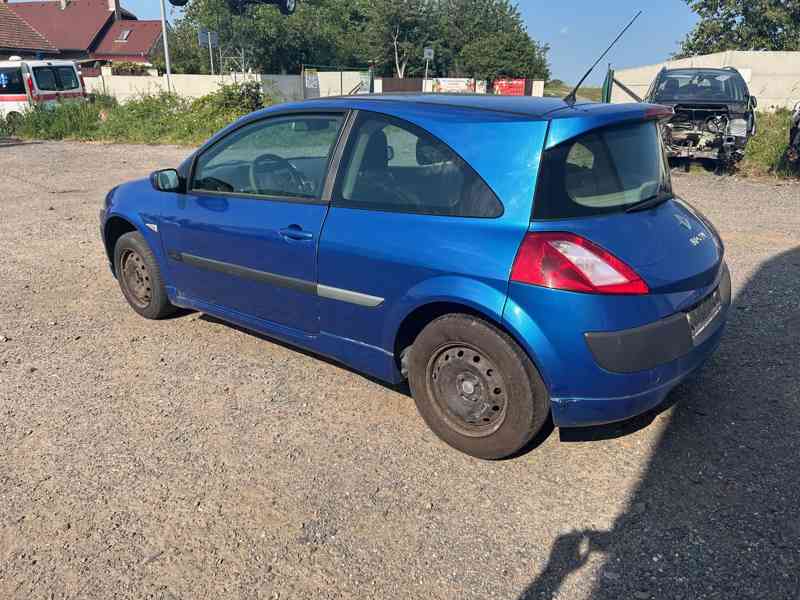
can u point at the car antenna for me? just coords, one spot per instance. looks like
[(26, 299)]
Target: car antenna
[(571, 98)]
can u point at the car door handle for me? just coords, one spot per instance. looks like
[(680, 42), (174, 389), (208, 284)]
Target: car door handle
[(295, 232)]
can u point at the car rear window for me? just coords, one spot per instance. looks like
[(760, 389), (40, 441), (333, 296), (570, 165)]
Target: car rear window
[(711, 86), (67, 78), (11, 81), (603, 171), (45, 79)]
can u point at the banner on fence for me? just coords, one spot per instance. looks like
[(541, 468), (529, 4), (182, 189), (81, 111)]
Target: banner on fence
[(509, 87), (458, 85)]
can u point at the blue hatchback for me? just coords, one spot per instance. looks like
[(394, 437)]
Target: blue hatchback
[(515, 259)]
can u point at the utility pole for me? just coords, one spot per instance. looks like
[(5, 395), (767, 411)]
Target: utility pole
[(166, 45), (210, 50)]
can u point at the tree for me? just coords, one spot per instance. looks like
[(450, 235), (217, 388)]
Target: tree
[(397, 33), (506, 54), (470, 37), (743, 25)]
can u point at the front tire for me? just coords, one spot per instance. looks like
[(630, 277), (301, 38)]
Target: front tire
[(476, 388), (140, 278)]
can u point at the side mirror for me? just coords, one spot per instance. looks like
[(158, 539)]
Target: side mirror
[(166, 180), (754, 101)]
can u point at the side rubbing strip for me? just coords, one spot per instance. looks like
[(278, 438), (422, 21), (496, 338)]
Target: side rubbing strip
[(300, 285), (325, 291)]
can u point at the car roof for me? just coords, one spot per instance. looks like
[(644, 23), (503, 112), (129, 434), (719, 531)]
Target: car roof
[(37, 63), (526, 106), (687, 70)]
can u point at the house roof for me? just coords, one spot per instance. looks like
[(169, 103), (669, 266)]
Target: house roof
[(139, 41), (73, 28), (16, 34)]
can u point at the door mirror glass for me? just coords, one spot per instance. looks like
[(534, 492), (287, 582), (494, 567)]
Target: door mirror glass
[(166, 180)]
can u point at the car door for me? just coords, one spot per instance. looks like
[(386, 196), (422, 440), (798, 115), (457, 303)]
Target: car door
[(410, 220), (243, 238)]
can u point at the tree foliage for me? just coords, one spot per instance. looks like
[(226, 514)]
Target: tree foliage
[(743, 25), (475, 38)]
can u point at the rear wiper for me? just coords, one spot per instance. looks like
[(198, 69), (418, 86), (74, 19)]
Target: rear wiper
[(649, 202)]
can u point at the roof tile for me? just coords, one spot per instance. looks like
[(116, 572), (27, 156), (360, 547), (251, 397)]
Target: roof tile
[(16, 34)]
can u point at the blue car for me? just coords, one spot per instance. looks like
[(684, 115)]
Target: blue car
[(517, 260)]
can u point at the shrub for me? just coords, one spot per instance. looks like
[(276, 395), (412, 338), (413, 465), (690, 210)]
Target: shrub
[(128, 68), (766, 152), (71, 120)]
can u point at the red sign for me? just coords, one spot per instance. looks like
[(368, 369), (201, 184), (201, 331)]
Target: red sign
[(509, 87)]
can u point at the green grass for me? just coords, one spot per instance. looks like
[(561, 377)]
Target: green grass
[(560, 89), (149, 119), (766, 152)]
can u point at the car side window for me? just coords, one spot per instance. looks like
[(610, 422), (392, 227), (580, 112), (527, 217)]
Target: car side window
[(392, 165), (284, 157)]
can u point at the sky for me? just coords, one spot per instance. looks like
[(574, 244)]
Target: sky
[(577, 31)]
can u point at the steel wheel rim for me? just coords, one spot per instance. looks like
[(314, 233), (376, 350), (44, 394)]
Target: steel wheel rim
[(468, 390), (136, 278)]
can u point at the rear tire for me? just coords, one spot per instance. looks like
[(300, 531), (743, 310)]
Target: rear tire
[(476, 388), (287, 7), (140, 278)]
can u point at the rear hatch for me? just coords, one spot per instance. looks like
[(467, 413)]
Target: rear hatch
[(612, 186), (57, 82)]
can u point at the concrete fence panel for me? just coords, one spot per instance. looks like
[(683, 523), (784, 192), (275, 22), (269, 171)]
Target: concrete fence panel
[(773, 77)]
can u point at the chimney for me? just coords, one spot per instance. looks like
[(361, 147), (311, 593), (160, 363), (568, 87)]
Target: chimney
[(113, 6)]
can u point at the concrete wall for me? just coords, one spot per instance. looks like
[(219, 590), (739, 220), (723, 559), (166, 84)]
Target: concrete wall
[(773, 77), (123, 87)]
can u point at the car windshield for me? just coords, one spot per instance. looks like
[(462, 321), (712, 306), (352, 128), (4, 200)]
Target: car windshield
[(712, 86), (603, 171)]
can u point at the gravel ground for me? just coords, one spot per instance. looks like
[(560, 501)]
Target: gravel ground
[(189, 459)]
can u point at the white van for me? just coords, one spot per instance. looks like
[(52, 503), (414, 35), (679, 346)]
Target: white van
[(25, 83)]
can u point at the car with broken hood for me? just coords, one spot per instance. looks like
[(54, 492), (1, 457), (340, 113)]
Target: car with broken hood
[(714, 113)]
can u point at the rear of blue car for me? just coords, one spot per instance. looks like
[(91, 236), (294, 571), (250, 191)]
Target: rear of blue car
[(620, 290)]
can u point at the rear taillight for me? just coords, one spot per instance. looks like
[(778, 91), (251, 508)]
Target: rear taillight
[(565, 261), (31, 89)]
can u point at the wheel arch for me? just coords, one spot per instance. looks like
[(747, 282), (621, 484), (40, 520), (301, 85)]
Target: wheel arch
[(115, 227), (417, 319)]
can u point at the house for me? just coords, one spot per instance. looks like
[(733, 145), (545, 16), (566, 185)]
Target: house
[(83, 30), (17, 38)]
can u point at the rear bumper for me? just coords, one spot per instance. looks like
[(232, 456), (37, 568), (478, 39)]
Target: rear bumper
[(666, 346)]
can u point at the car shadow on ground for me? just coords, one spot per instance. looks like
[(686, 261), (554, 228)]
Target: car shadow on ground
[(716, 513)]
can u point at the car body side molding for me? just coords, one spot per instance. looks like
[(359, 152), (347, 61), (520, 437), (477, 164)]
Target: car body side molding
[(300, 285)]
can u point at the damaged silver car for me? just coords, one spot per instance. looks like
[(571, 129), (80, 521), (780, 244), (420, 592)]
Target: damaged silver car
[(714, 113)]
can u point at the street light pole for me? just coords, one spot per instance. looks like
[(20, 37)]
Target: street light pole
[(166, 45)]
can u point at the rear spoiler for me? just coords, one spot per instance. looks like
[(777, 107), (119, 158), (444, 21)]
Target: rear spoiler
[(568, 123)]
